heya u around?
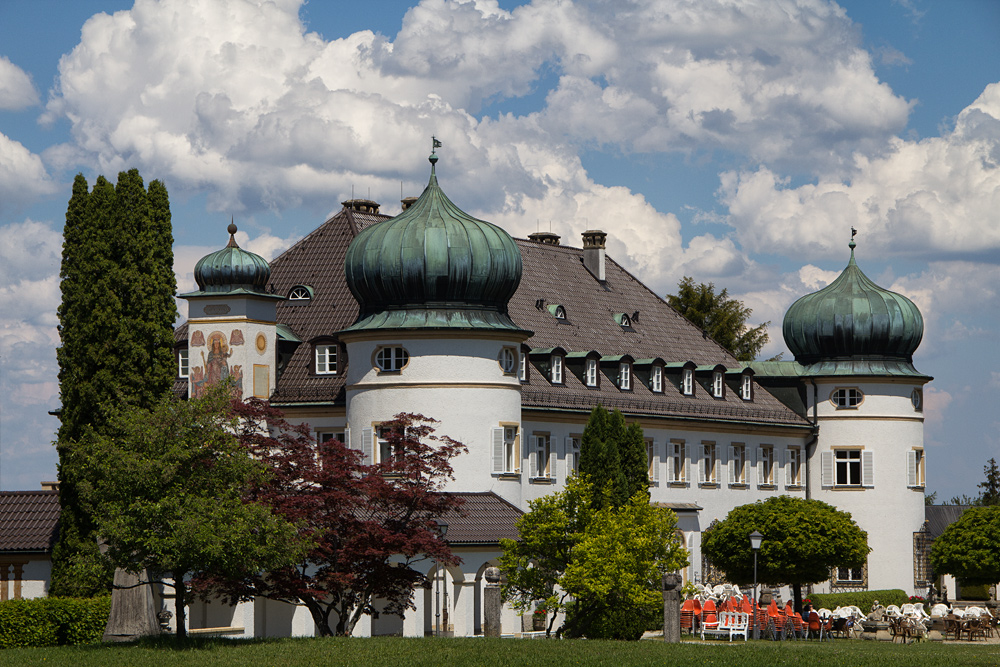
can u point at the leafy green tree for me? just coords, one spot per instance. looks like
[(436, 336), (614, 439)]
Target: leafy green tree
[(613, 458), (116, 326), (724, 318), (967, 548), (602, 566), (549, 532), (803, 539), (167, 486), (617, 567)]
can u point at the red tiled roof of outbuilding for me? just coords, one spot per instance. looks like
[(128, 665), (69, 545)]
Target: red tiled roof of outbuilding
[(29, 520)]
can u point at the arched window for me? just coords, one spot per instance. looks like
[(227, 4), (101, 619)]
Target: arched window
[(391, 358), (300, 293)]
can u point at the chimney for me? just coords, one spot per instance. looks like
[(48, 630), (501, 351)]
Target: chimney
[(361, 205), (593, 252), (407, 202), (546, 238)]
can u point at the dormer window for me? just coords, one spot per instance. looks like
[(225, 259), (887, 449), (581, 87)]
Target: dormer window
[(687, 382), (590, 375), (391, 359), (746, 387), (625, 376), (623, 320), (183, 369), (718, 386), (847, 398), (560, 313), (656, 379), (326, 359), (300, 293), (556, 371)]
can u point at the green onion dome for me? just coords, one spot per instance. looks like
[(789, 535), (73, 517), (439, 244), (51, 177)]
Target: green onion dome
[(854, 320), (231, 269), (433, 266)]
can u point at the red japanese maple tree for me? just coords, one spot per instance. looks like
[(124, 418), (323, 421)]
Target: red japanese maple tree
[(367, 525)]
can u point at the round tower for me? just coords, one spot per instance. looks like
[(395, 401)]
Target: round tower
[(854, 342), (232, 322), (433, 336)]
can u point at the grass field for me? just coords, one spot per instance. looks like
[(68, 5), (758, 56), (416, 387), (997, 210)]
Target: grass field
[(383, 652)]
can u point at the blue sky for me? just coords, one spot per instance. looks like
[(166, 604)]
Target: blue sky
[(733, 142)]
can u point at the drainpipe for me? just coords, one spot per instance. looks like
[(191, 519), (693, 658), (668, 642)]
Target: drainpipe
[(813, 439)]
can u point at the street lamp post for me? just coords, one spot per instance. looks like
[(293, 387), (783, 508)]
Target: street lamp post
[(755, 540)]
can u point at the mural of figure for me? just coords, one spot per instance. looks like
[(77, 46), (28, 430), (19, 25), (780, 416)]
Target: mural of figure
[(217, 363)]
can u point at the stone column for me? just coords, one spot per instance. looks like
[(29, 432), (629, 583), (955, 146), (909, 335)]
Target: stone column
[(672, 608), (491, 603)]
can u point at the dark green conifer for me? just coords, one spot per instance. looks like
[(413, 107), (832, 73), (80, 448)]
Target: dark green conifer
[(613, 456)]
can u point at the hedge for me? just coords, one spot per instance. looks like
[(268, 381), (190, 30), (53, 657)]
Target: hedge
[(53, 621), (861, 599)]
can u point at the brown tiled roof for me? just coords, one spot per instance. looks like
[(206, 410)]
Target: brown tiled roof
[(553, 275), (28, 520), (484, 518)]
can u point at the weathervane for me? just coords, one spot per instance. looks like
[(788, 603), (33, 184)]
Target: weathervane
[(435, 144), (852, 244)]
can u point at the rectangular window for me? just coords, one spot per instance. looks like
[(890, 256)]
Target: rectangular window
[(506, 450), (541, 457), (709, 464), (183, 370), (915, 468), (591, 376), (717, 385), (652, 464), (848, 467), (326, 359), (557, 369), (765, 461), (624, 376), (387, 451), (793, 467), (656, 381), (738, 464), (573, 454), (326, 436), (677, 462), (261, 381), (852, 576), (522, 366), (687, 382), (746, 387)]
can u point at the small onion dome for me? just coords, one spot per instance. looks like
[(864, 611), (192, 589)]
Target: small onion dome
[(854, 320), (433, 266), (231, 269)]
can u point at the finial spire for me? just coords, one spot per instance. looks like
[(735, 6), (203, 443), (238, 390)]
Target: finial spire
[(852, 245), (232, 233), (435, 144)]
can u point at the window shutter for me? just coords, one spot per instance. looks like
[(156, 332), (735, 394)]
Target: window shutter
[(867, 469), (347, 438), (760, 466), (517, 452), (671, 472), (367, 446), (702, 465), (533, 456), (826, 463), (656, 463), (911, 468), (788, 467), (552, 460), (687, 463), (732, 464), (498, 457), (776, 467), (570, 456)]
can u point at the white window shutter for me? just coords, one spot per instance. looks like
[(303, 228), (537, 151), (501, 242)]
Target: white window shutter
[(776, 467), (499, 464), (552, 461), (533, 457), (911, 468), (732, 464), (788, 467), (826, 463), (656, 463), (367, 445), (702, 465), (760, 466), (570, 456), (347, 438), (671, 471), (687, 463), (867, 469)]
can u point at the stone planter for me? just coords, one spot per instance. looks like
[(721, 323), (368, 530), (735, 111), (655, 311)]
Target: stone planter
[(538, 622)]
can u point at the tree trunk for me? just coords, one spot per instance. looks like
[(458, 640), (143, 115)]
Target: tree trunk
[(133, 613), (180, 602), (321, 617), (797, 594)]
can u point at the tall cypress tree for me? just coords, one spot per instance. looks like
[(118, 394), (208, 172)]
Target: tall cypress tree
[(613, 457), (116, 325)]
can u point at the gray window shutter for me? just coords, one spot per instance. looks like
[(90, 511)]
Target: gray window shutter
[(367, 446), (732, 464), (911, 468), (760, 466), (570, 456), (671, 472), (687, 463), (702, 466), (826, 463), (656, 463), (788, 467), (347, 438), (552, 459), (867, 469), (499, 462), (533, 457)]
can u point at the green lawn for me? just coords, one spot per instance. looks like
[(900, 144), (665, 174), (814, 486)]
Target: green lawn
[(383, 652)]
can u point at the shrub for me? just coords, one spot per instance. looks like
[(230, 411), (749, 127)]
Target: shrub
[(861, 599), (979, 592), (53, 621)]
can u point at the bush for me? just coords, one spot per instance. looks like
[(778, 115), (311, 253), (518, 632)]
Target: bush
[(53, 621), (980, 592), (613, 622), (861, 599)]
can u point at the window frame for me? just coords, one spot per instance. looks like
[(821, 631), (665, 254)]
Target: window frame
[(522, 365), (746, 387), (847, 398), (916, 472), (917, 399), (652, 464), (687, 382), (766, 475), (709, 464), (507, 360), (656, 379), (591, 373), (183, 363), (398, 356), (625, 376), (556, 369), (328, 347), (793, 467), (299, 293), (541, 452), (718, 385), (678, 470), (506, 449), (738, 474), (851, 465)]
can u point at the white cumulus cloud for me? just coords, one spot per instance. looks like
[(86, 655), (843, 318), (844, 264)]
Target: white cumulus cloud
[(16, 89)]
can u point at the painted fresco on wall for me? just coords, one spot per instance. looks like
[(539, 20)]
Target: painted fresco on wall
[(236, 337), (197, 339), (215, 366)]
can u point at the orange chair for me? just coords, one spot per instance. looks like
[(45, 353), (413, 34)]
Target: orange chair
[(697, 614), (776, 621), (687, 617), (709, 618)]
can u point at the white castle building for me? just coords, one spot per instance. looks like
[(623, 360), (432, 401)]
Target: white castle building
[(509, 343)]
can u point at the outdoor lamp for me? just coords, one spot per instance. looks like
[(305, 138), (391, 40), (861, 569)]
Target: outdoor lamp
[(755, 540)]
